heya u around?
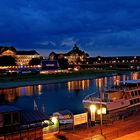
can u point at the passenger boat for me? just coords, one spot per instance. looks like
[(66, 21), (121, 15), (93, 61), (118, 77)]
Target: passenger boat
[(123, 99)]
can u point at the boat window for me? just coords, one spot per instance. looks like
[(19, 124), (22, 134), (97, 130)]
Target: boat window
[(16, 117), (129, 95), (133, 94), (131, 102), (139, 92), (138, 100), (7, 119), (106, 97), (136, 92), (135, 101)]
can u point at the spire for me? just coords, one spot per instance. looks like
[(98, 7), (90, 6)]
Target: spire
[(75, 47)]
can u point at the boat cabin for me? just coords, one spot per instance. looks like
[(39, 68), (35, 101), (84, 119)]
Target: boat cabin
[(112, 95)]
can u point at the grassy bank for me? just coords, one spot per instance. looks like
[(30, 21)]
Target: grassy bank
[(10, 81), (34, 77)]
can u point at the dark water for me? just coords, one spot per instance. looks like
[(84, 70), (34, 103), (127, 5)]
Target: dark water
[(56, 97)]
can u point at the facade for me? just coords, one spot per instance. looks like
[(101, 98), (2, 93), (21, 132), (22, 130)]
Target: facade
[(75, 56), (22, 57)]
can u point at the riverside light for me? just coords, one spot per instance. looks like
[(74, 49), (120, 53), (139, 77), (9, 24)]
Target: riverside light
[(98, 111), (54, 120), (92, 108), (46, 121), (103, 111)]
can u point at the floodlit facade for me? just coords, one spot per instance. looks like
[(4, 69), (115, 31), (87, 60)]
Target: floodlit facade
[(75, 56), (22, 57)]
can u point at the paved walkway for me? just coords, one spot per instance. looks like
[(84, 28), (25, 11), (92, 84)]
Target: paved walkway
[(96, 137), (119, 130), (133, 136)]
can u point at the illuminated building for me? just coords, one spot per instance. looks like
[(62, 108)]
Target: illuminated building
[(114, 59), (22, 57), (75, 56)]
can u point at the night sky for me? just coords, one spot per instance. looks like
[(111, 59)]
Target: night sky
[(99, 27)]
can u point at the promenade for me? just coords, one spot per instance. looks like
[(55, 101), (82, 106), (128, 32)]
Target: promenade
[(134, 136), (118, 130)]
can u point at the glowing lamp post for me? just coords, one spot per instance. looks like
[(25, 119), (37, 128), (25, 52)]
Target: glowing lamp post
[(101, 111), (54, 120), (93, 110)]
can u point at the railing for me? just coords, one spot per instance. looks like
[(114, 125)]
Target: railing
[(89, 96), (132, 88)]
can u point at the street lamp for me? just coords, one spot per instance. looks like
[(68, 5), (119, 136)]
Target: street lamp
[(54, 119), (100, 112), (93, 110), (103, 111)]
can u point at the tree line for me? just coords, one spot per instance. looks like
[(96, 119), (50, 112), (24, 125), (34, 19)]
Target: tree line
[(11, 61)]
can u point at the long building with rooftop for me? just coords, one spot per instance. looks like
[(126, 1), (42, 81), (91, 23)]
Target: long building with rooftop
[(22, 57)]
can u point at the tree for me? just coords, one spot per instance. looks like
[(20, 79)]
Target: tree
[(35, 61), (7, 61), (63, 63)]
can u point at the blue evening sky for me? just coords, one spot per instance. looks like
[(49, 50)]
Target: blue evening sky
[(99, 27)]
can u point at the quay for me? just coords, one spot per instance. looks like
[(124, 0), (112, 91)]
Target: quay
[(118, 130)]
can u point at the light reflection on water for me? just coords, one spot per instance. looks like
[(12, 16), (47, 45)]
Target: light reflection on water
[(60, 96), (83, 84)]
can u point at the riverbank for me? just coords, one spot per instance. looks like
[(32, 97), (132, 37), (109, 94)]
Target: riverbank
[(26, 80)]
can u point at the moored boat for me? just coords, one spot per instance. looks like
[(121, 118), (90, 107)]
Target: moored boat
[(119, 101)]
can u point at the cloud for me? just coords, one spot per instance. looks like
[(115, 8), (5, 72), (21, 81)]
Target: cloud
[(68, 41), (46, 43), (93, 24)]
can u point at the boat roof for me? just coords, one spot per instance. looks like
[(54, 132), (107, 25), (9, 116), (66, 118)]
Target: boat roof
[(28, 117), (130, 81)]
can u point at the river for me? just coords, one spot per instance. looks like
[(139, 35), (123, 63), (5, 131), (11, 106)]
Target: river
[(60, 96)]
